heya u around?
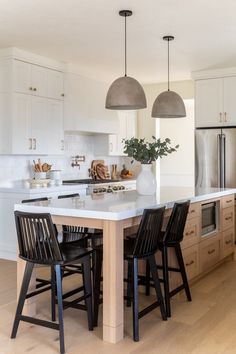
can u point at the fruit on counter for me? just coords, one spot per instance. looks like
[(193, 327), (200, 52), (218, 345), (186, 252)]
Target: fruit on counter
[(125, 172)]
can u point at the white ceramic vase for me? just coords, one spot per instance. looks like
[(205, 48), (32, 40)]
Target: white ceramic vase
[(146, 181)]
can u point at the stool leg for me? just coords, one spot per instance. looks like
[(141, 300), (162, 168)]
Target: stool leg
[(23, 292), (88, 290), (135, 301), (147, 285), (97, 283), (60, 308), (129, 285), (182, 270), (53, 295), (153, 269), (166, 280)]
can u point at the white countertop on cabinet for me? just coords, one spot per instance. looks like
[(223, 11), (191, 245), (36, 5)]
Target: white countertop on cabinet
[(121, 205), (25, 187)]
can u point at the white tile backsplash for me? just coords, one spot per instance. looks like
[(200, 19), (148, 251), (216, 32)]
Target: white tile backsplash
[(17, 167)]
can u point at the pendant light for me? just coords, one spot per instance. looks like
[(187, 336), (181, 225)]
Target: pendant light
[(168, 104), (125, 93)]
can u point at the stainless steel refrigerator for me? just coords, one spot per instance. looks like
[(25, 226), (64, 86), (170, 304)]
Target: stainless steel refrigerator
[(215, 157)]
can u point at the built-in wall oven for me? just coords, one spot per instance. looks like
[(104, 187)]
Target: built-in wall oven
[(210, 218)]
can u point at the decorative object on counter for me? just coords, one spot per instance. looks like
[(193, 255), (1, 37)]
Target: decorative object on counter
[(125, 174), (40, 170), (99, 170), (168, 104), (54, 174), (114, 171), (38, 183), (147, 152), (76, 159), (125, 92), (39, 167)]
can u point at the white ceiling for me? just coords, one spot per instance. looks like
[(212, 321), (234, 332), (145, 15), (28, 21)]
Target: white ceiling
[(89, 33)]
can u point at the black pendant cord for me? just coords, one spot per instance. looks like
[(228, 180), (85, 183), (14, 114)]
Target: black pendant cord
[(125, 47), (168, 65)]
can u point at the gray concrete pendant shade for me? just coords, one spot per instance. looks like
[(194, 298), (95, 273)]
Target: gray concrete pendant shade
[(125, 93), (168, 105)]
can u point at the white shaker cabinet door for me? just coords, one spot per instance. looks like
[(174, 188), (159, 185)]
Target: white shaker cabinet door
[(40, 127), (209, 102), (229, 114), (55, 131), (22, 77), (21, 124), (39, 80), (55, 84)]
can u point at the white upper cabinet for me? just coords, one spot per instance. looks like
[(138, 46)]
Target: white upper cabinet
[(85, 106), (37, 125), (55, 84), (31, 105), (215, 103), (37, 80), (113, 144), (209, 102), (229, 111)]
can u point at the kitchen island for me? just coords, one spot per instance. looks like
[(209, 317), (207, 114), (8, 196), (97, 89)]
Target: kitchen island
[(113, 213)]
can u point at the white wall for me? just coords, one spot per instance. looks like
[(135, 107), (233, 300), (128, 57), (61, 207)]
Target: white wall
[(177, 169)]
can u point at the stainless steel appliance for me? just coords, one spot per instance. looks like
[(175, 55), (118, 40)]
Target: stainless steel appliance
[(103, 186), (215, 162), (210, 218)]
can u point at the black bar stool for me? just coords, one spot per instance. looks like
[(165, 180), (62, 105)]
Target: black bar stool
[(38, 244), (43, 284), (144, 246), (172, 237)]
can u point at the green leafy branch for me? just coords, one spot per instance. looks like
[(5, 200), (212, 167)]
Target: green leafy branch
[(147, 152)]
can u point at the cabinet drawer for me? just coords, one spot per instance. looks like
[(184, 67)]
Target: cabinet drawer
[(194, 210), (228, 201), (191, 233), (227, 242), (209, 253), (191, 261), (227, 218)]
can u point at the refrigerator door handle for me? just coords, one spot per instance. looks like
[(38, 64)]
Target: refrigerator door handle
[(221, 160)]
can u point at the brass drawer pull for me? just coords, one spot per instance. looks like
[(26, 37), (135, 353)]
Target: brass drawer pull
[(192, 211), (189, 233), (228, 242), (190, 263), (211, 251), (229, 201)]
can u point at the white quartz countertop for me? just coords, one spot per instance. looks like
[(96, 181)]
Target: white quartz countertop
[(121, 205), (26, 187)]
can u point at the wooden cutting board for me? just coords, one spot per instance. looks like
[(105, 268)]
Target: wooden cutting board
[(99, 170)]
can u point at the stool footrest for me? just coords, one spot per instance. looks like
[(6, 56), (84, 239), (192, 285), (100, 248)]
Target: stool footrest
[(39, 322)]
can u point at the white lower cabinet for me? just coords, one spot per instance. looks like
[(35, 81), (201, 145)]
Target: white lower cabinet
[(36, 125)]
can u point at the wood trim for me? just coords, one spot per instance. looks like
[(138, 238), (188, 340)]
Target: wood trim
[(113, 311), (75, 221)]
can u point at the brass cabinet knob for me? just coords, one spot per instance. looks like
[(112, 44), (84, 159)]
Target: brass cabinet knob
[(30, 88), (62, 95), (34, 89)]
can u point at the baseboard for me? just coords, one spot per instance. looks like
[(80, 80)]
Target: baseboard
[(8, 252)]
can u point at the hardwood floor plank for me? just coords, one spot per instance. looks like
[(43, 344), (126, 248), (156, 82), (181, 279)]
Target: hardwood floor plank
[(204, 326)]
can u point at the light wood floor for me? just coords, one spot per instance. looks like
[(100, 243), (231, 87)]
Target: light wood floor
[(207, 325)]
